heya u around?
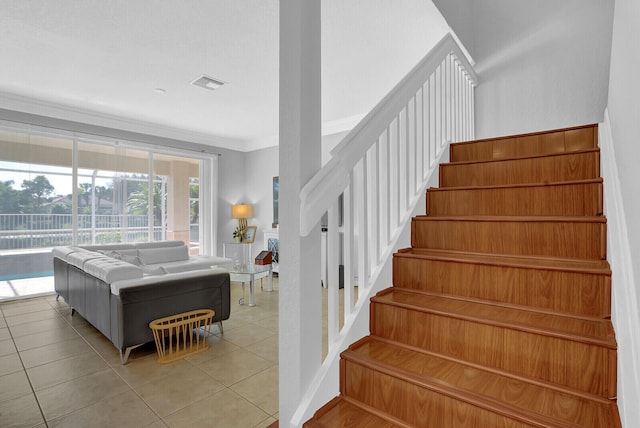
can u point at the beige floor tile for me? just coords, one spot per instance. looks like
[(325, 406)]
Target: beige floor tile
[(63, 308), (5, 334), (261, 389), (75, 394), (122, 410), (269, 301), (38, 326), (64, 370), (168, 395), (14, 385), (56, 304), (248, 335), (244, 358), (32, 317), (157, 424), (25, 307), (7, 347), (267, 349), (103, 347), (44, 338), (269, 323), (226, 409), (266, 423), (76, 320), (111, 354), (235, 366), (251, 315), (10, 364), (144, 370), (233, 322), (83, 327), (217, 347), (56, 351), (20, 412)]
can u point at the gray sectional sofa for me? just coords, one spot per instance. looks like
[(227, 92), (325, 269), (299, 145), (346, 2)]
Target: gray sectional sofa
[(120, 288)]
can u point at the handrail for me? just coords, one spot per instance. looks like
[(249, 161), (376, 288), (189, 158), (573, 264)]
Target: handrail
[(329, 182), (370, 188)]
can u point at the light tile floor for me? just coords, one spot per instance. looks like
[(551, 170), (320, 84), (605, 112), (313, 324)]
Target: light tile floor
[(56, 370)]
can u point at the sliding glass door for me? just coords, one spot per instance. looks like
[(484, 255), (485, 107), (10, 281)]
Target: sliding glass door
[(69, 190)]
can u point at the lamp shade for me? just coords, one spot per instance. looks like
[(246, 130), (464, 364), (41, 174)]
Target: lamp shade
[(242, 211)]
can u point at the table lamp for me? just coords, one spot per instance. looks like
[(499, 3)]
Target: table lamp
[(242, 212)]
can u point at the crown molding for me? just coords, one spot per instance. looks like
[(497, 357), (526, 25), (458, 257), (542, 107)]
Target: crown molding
[(50, 109), (28, 105)]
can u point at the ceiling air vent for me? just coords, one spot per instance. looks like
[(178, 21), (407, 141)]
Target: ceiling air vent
[(207, 82)]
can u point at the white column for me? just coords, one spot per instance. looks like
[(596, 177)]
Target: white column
[(300, 154)]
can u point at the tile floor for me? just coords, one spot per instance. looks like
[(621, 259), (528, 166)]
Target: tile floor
[(58, 371)]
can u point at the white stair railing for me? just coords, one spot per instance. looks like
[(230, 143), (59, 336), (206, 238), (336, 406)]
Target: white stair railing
[(371, 185)]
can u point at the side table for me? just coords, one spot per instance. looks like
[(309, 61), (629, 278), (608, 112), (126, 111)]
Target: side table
[(249, 273)]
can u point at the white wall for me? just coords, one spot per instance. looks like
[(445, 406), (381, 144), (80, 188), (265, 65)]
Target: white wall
[(624, 110), (541, 64), (368, 46), (261, 167), (328, 144), (248, 177), (231, 190), (624, 114)]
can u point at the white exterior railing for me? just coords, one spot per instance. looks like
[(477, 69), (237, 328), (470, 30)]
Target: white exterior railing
[(30, 231), (370, 188)]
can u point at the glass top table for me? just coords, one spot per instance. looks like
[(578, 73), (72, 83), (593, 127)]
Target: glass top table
[(248, 273)]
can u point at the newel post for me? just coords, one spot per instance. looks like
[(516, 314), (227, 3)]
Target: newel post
[(300, 300)]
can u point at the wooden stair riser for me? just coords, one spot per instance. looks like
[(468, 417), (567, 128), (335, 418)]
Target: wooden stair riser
[(570, 239), (416, 405), (558, 141), (581, 294), (581, 199), (547, 169), (587, 367)]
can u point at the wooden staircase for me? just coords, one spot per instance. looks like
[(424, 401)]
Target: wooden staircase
[(500, 312)]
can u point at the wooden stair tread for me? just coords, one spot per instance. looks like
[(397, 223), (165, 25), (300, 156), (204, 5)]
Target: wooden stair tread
[(518, 158), (594, 331), (495, 390), (515, 219), (532, 262), (514, 186), (342, 412)]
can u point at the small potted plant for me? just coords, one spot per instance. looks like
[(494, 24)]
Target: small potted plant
[(238, 233)]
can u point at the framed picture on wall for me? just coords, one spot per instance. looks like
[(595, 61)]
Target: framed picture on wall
[(276, 196), (250, 234)]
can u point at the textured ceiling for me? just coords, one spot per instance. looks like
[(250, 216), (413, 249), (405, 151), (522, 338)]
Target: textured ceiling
[(101, 61)]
